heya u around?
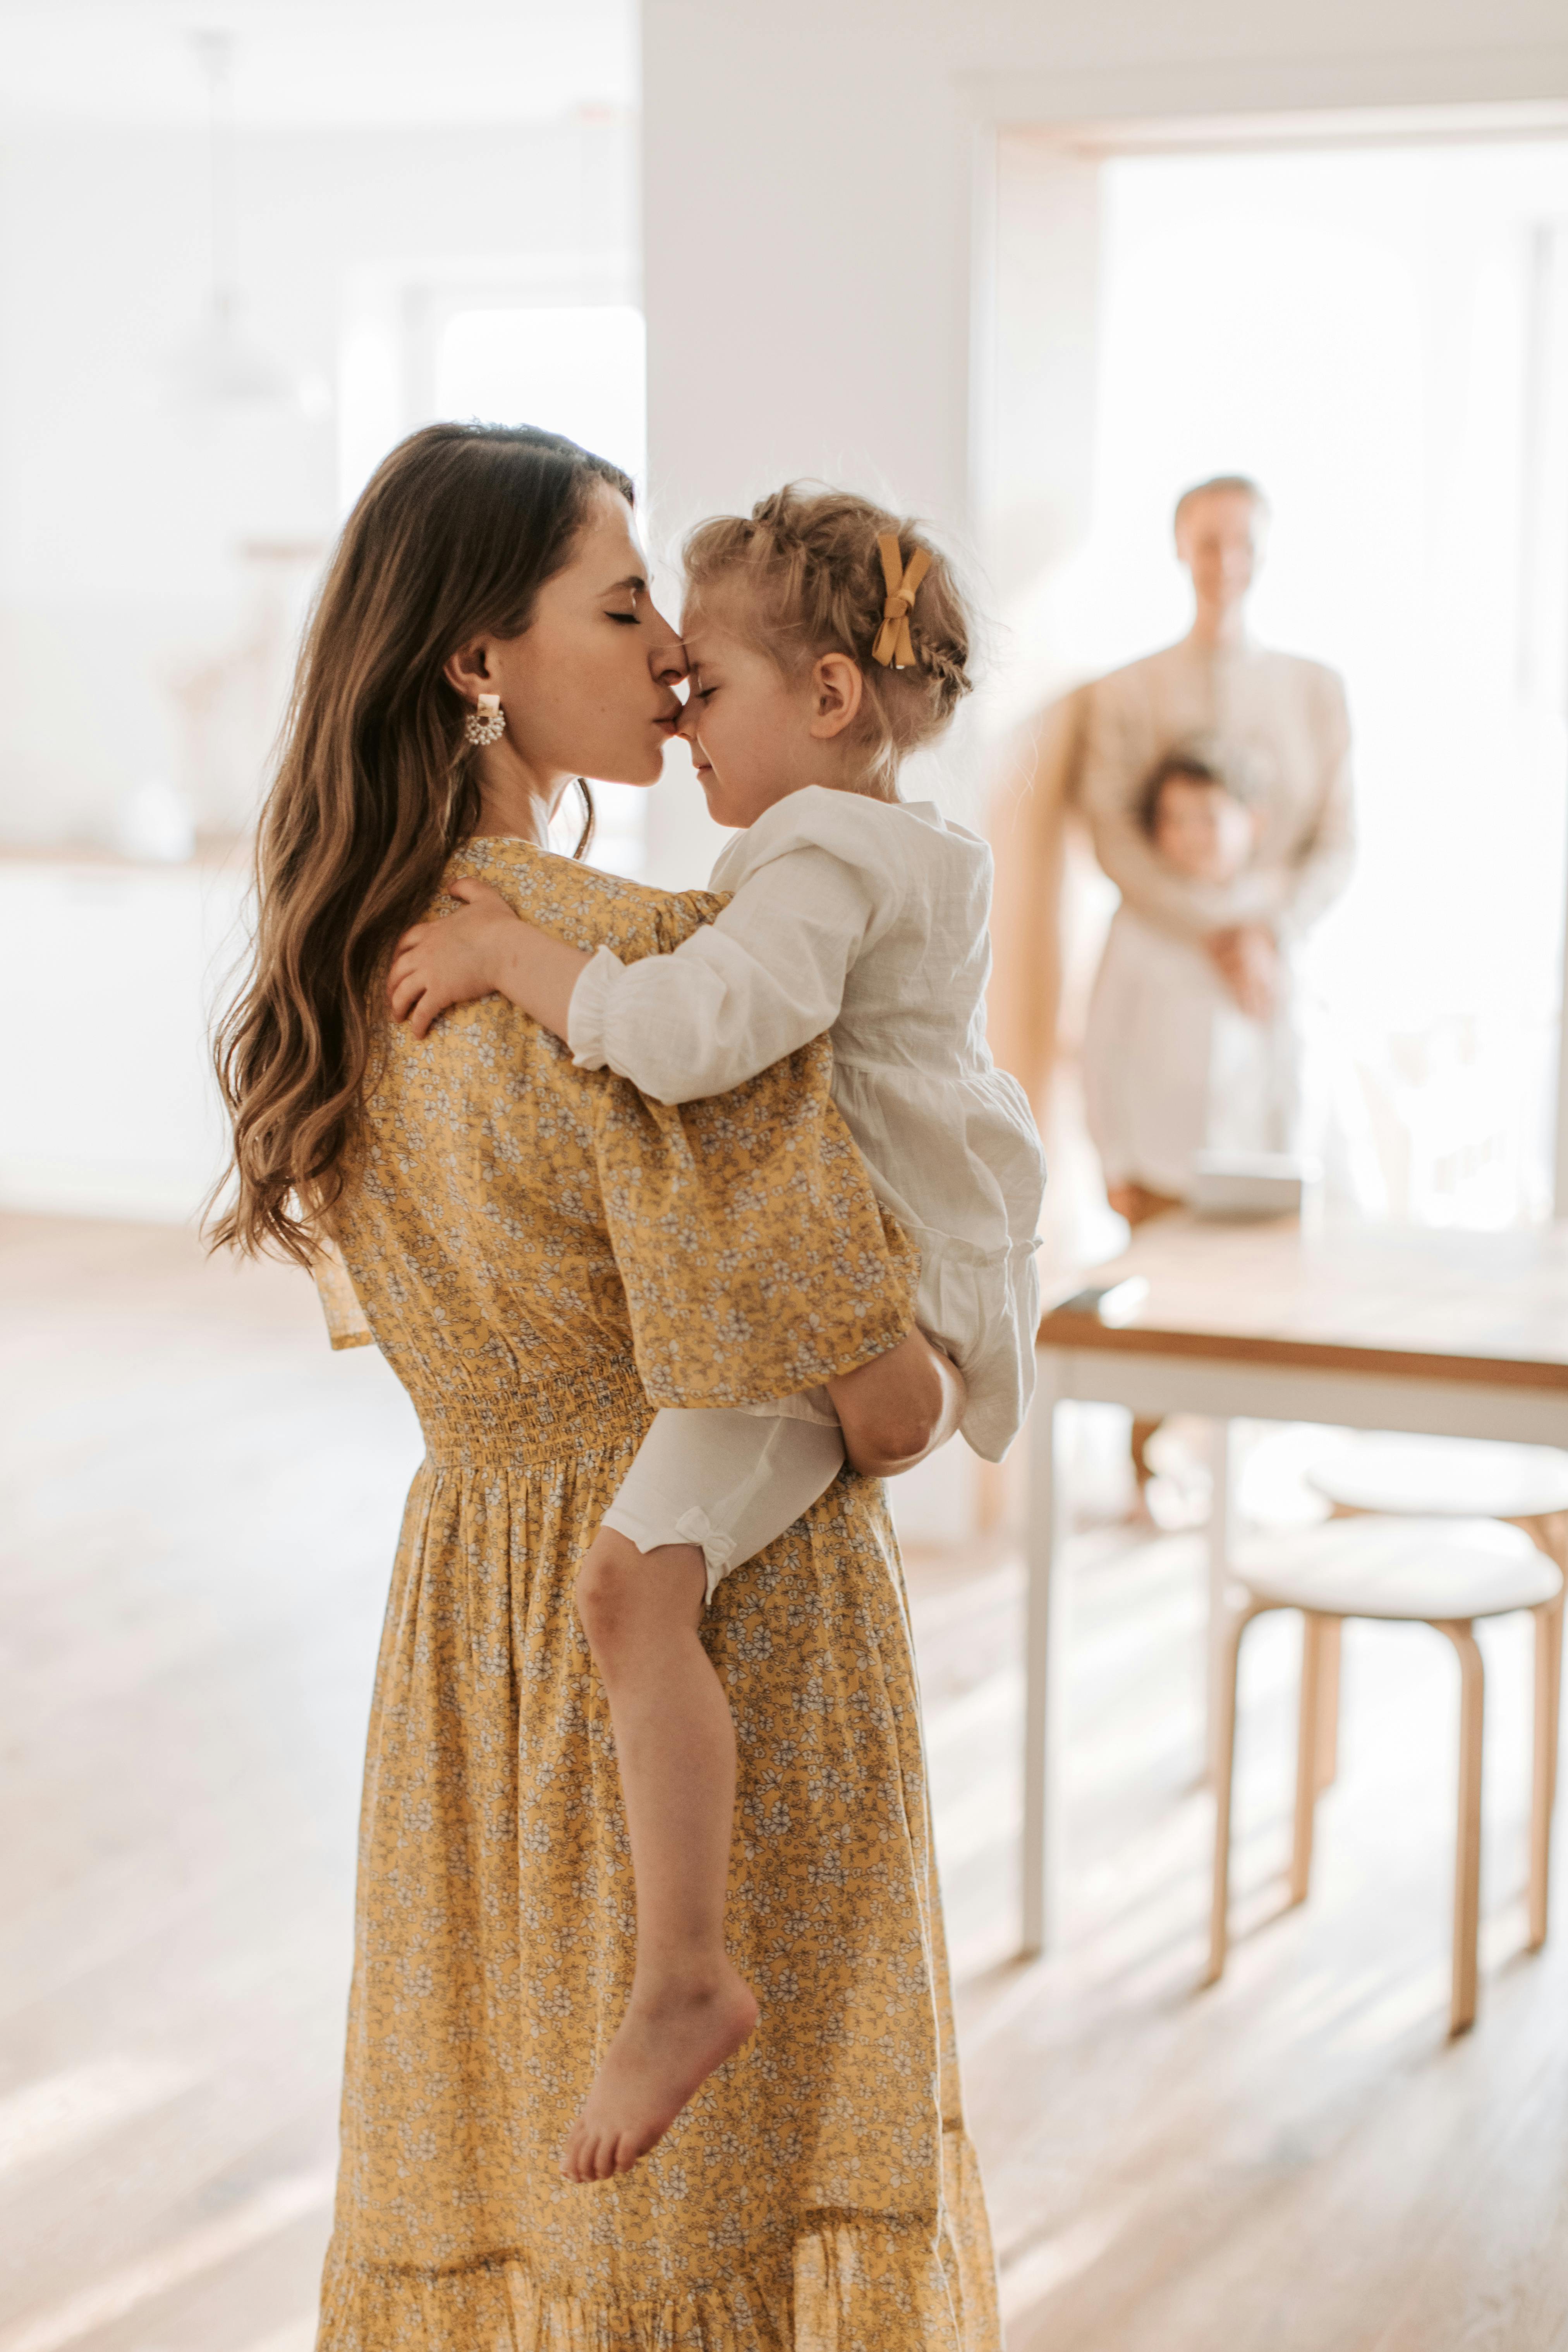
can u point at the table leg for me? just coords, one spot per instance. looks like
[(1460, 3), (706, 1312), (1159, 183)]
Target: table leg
[(1219, 1579), (1043, 1663), (1467, 1858), (1548, 1668), (1332, 1647)]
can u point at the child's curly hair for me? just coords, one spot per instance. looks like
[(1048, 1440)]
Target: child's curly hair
[(810, 565)]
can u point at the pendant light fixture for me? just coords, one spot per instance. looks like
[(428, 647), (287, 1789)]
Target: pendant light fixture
[(219, 367)]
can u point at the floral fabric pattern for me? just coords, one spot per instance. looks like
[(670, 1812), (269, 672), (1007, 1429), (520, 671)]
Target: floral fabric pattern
[(540, 1253)]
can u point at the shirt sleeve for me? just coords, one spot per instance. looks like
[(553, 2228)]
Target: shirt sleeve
[(738, 995), (1323, 867)]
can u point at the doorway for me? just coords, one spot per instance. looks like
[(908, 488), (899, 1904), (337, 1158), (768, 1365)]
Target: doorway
[(1378, 332)]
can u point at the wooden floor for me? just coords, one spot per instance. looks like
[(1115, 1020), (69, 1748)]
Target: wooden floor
[(202, 1504)]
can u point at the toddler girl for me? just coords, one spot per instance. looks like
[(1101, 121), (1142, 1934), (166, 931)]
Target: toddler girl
[(1173, 1065), (825, 641)]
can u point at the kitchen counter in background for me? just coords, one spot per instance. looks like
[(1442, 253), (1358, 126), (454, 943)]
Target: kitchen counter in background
[(108, 971)]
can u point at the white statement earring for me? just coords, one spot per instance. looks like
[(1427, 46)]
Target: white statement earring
[(487, 722)]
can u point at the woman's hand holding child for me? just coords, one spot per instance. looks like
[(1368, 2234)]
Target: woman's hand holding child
[(484, 950)]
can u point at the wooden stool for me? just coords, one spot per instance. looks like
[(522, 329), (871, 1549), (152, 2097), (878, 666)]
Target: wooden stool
[(1437, 1478), (1452, 1478), (1440, 1572)]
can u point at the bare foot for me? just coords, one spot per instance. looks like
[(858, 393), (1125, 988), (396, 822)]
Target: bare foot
[(664, 2051)]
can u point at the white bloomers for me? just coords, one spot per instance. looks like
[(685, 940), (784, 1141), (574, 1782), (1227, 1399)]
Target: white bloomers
[(727, 1481)]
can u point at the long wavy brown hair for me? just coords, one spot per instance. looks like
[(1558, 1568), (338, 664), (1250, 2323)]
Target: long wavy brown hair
[(375, 787)]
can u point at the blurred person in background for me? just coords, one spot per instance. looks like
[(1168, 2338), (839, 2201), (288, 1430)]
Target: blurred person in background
[(1173, 1063), (1275, 723), (1177, 1063)]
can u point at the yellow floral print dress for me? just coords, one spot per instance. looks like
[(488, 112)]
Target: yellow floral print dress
[(539, 1252)]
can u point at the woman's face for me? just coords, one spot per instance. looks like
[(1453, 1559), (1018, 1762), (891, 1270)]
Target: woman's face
[(1221, 539), (588, 689)]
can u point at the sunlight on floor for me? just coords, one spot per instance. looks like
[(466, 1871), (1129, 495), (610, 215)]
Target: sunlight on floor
[(1301, 2146)]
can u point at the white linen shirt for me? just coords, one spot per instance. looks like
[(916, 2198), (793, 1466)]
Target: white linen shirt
[(1284, 720), (1172, 1066), (866, 918)]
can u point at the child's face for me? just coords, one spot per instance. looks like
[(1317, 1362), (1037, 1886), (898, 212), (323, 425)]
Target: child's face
[(747, 724), (1201, 830)]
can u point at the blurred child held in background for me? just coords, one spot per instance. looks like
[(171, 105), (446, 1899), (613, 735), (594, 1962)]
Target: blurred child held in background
[(1178, 1060)]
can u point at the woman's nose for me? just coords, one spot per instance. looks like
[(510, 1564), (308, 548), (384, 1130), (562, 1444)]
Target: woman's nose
[(666, 655)]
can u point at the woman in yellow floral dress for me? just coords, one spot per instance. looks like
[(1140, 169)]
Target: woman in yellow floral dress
[(543, 1255)]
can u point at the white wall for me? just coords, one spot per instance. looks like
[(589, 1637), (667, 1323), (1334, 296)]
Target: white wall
[(816, 194), (120, 519), (807, 174), (138, 642)]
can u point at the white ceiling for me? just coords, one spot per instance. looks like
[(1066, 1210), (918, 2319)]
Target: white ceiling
[(318, 61)]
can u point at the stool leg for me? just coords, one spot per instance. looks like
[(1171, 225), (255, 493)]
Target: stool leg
[(1309, 1726), (1225, 1694), (1329, 1703), (1558, 1548), (1468, 1855), (1549, 1531), (1219, 1536), (1548, 1671)]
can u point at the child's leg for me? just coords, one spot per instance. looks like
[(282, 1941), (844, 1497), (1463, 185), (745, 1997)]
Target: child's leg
[(729, 1483), (689, 2008)]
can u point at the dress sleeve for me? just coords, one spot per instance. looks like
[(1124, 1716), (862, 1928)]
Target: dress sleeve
[(1323, 867), (345, 1318), (738, 995), (755, 1257)]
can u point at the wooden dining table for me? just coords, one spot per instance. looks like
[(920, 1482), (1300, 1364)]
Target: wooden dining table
[(1449, 1334)]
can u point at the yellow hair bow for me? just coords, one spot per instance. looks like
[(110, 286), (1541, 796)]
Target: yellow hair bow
[(894, 643)]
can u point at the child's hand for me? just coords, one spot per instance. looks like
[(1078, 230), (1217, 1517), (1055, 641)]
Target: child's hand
[(1248, 961), (484, 950), (451, 961)]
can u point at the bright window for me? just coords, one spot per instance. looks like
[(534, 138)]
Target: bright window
[(581, 371)]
